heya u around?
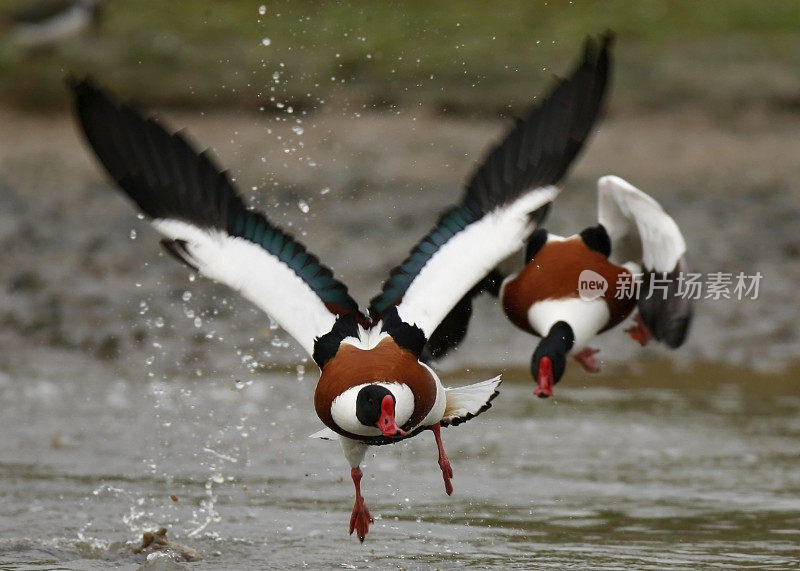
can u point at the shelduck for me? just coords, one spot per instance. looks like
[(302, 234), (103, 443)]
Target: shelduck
[(373, 388), (574, 288)]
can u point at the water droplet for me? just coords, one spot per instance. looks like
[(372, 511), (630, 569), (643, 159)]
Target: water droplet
[(262, 9), (325, 190), (298, 130), (303, 206), (133, 234), (266, 42), (187, 295)]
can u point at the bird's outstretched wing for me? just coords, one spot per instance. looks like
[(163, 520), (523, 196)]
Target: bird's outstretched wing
[(505, 199), (641, 232), (205, 223)]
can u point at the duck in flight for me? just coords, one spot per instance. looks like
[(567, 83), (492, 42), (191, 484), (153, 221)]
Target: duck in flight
[(373, 389), (574, 288)]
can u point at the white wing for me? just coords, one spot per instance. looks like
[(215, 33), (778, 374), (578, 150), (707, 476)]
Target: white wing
[(467, 256), (464, 403), (504, 201), (263, 278), (195, 206), (640, 230), (638, 227)]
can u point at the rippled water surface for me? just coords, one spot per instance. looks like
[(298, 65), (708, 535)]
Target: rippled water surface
[(602, 477)]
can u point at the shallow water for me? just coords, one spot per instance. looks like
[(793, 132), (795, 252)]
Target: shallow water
[(607, 477), (688, 473)]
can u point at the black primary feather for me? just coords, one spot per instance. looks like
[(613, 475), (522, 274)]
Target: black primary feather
[(167, 178), (664, 310), (535, 153), (539, 149)]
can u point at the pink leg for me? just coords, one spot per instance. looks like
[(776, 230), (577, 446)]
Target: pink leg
[(587, 360), (639, 332), (360, 518), (444, 461)]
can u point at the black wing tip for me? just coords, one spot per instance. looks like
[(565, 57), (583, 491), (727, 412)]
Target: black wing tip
[(669, 315), (671, 330), (162, 171), (84, 90), (178, 250), (74, 83), (78, 84), (158, 174), (606, 42), (678, 334), (87, 91), (597, 49), (539, 149)]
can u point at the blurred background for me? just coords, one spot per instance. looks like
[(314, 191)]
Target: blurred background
[(352, 125)]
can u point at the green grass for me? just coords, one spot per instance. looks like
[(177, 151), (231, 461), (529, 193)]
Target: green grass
[(459, 56)]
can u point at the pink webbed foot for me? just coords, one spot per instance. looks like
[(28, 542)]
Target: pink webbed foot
[(360, 518), (444, 461), (587, 360), (639, 331)]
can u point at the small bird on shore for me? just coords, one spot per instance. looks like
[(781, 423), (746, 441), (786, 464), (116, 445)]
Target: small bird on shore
[(46, 22), (574, 288), (373, 388)]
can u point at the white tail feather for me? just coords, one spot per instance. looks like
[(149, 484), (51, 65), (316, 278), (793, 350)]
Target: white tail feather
[(325, 434), (464, 403)]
